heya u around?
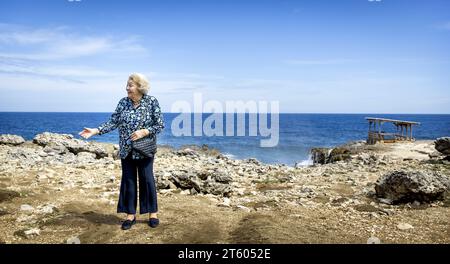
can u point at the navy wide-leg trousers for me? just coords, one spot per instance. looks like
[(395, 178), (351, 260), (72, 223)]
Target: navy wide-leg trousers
[(129, 186)]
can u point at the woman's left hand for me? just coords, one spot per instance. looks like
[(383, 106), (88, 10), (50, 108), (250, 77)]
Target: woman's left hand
[(139, 134)]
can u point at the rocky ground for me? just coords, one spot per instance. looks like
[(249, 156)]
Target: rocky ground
[(57, 189)]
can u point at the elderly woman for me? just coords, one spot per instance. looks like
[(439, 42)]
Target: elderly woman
[(138, 115)]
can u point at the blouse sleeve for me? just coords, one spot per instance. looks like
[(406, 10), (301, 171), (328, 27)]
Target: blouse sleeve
[(113, 121), (157, 118)]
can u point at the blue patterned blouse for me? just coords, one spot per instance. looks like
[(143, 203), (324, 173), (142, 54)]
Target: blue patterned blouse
[(129, 119)]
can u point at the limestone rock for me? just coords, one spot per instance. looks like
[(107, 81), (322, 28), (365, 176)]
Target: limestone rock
[(243, 208), (320, 155), (185, 180), (47, 138), (46, 209), (73, 240), (404, 226), (26, 207), (410, 186), (225, 203), (218, 189), (86, 157), (163, 183), (213, 181), (338, 154), (11, 139), (373, 240), (52, 149), (443, 145), (32, 232), (187, 152), (253, 161), (221, 176), (61, 141)]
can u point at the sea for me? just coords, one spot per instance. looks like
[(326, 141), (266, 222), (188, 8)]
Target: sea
[(295, 133)]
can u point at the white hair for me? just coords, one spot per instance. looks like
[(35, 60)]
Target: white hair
[(141, 81)]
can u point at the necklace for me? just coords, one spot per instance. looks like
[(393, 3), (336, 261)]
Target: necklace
[(135, 103)]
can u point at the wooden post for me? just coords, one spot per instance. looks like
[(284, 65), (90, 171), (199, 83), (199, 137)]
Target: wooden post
[(396, 132), (410, 130)]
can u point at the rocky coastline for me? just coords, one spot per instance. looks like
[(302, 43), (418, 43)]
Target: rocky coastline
[(59, 189)]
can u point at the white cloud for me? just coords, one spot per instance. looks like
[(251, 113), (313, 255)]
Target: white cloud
[(46, 52), (38, 59), (30, 69), (16, 34), (58, 44), (65, 72)]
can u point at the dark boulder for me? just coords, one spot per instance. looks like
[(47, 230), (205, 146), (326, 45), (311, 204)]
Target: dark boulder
[(339, 154), (410, 186), (320, 155), (443, 145)]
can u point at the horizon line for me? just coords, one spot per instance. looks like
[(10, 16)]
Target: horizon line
[(337, 113)]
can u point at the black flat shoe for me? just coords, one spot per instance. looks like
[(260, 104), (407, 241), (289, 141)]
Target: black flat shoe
[(153, 222), (127, 224)]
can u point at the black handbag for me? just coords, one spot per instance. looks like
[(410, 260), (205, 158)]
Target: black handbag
[(145, 146)]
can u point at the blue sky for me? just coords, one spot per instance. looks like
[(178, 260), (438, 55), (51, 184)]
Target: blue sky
[(313, 56)]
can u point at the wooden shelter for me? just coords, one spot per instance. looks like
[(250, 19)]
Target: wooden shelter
[(376, 133)]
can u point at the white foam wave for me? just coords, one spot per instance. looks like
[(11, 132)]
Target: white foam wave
[(228, 155), (305, 163)]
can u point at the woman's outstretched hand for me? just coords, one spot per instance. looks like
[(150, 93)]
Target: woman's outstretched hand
[(88, 132), (139, 134)]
